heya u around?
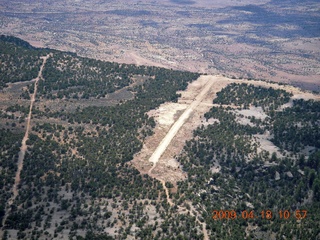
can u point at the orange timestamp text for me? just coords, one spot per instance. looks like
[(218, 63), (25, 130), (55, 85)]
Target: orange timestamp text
[(264, 214)]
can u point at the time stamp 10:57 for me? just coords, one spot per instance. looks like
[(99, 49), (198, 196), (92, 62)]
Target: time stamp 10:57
[(264, 214)]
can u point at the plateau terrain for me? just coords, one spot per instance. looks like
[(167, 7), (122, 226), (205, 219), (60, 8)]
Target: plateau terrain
[(93, 149)]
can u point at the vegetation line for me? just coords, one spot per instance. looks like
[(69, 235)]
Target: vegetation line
[(23, 147)]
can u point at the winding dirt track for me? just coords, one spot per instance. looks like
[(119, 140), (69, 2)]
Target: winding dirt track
[(23, 147), (171, 134)]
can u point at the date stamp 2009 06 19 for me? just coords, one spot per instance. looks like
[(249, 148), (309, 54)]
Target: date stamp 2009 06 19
[(264, 214)]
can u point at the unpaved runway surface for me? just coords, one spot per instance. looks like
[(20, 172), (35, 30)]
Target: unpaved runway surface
[(178, 124), (171, 134)]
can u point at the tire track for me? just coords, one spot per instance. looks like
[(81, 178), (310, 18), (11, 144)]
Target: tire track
[(24, 146)]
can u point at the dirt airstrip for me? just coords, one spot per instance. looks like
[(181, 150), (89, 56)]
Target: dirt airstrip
[(157, 157), (187, 112), (175, 123)]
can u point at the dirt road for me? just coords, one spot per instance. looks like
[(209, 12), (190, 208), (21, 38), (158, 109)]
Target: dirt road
[(23, 147)]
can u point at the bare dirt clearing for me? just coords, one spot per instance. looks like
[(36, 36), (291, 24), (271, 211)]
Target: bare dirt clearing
[(175, 123), (169, 113), (179, 123), (157, 157), (188, 112)]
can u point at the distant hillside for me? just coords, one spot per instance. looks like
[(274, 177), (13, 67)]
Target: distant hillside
[(265, 39)]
